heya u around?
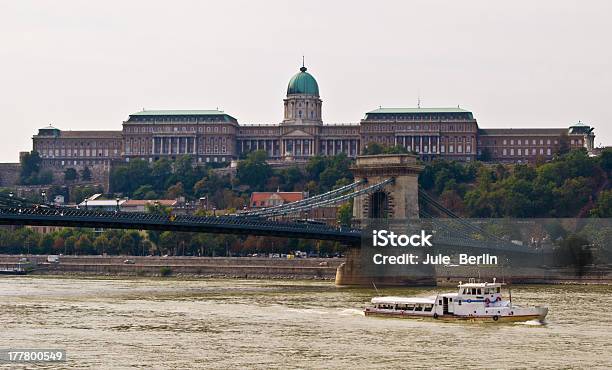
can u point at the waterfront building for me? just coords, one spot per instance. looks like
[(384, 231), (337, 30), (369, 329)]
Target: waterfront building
[(213, 136), (263, 199)]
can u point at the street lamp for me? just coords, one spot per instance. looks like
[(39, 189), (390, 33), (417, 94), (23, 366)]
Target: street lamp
[(44, 196), (86, 204), (117, 204)]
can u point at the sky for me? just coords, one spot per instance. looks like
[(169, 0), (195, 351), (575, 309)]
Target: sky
[(84, 65)]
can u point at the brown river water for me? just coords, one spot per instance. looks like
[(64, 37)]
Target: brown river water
[(220, 324)]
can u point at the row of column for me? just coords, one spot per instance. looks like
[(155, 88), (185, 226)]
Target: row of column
[(337, 146), (419, 144), (301, 147), (298, 147), (174, 145), (269, 145)]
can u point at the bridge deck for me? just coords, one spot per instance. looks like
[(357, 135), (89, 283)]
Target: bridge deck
[(147, 221)]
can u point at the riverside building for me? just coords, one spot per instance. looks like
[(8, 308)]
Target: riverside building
[(213, 136)]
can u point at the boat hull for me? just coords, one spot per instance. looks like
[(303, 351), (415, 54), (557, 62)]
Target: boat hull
[(539, 316)]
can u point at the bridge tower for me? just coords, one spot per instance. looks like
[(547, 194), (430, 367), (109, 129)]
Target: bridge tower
[(398, 200)]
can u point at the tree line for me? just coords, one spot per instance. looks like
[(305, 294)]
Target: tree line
[(571, 185)]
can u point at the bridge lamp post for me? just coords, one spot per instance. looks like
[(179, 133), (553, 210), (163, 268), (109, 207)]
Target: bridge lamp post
[(214, 211), (117, 204), (43, 194), (86, 204)]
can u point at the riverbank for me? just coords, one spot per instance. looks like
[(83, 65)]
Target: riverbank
[(203, 267), (276, 268)]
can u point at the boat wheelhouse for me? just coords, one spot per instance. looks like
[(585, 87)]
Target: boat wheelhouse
[(473, 301)]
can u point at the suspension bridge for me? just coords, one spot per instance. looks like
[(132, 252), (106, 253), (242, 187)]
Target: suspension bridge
[(385, 187)]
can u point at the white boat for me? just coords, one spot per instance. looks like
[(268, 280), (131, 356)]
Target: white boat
[(473, 301)]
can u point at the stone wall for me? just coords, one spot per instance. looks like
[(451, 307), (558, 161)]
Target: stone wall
[(236, 267)]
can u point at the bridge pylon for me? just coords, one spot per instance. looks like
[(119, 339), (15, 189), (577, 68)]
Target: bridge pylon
[(397, 200)]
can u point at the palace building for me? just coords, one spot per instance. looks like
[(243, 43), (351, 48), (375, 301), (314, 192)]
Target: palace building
[(213, 136)]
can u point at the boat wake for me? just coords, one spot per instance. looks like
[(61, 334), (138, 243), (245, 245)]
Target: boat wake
[(351, 312), (531, 323)]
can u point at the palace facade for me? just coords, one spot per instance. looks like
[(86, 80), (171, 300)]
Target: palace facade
[(213, 136)]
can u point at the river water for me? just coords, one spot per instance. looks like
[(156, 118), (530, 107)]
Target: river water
[(168, 323)]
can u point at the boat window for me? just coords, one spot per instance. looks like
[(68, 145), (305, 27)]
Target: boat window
[(479, 291), (474, 291), (428, 307), (459, 302), (439, 301), (418, 308), (498, 289), (409, 307), (450, 299)]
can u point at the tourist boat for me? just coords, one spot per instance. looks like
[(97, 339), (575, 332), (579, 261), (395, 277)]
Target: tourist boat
[(473, 301)]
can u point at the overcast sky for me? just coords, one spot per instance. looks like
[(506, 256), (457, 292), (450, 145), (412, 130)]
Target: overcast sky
[(84, 65)]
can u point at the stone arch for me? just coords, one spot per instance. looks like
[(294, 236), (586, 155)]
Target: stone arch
[(379, 205)]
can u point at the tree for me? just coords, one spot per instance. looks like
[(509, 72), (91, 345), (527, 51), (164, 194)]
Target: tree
[(84, 245), (373, 148), (46, 244), (345, 214), (160, 174), (86, 174), (70, 245), (254, 170), (606, 159), (45, 177), (175, 191), (603, 205), (564, 144), (70, 174), (58, 245), (574, 251), (30, 166), (144, 192), (101, 244)]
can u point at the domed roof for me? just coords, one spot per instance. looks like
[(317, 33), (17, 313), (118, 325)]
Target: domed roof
[(303, 83)]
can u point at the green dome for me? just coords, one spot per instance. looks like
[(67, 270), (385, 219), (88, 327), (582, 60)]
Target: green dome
[(303, 83)]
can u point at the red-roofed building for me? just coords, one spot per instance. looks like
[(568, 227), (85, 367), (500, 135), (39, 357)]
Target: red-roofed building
[(270, 199)]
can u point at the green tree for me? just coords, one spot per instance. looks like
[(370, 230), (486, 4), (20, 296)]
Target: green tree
[(30, 166), (70, 245), (101, 244), (144, 192), (83, 245), (345, 214), (70, 174), (86, 174), (254, 170), (373, 148), (603, 205)]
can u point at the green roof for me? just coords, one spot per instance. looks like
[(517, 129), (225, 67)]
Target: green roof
[(178, 112), (418, 110), (303, 83)]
